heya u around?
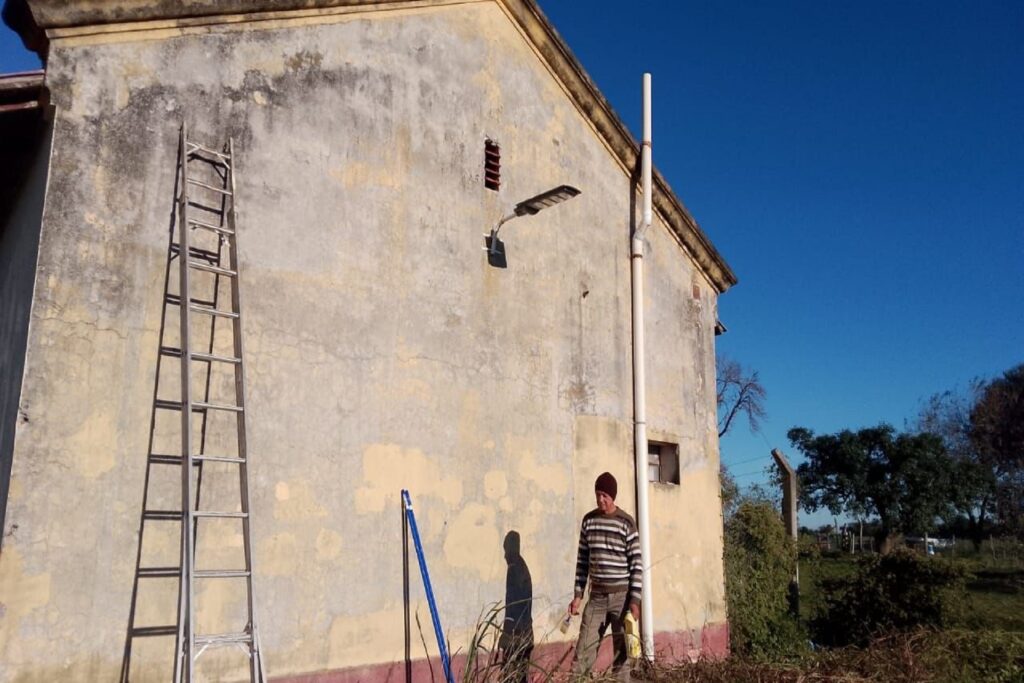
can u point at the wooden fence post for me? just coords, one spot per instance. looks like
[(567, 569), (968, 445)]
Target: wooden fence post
[(789, 494)]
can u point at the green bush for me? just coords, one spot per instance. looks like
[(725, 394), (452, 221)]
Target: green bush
[(914, 657), (894, 592), (759, 562)]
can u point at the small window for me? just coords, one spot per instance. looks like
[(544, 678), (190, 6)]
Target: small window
[(492, 165), (663, 462)]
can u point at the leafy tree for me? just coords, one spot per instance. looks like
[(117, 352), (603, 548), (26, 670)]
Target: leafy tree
[(903, 479), (974, 493), (997, 432), (738, 390)]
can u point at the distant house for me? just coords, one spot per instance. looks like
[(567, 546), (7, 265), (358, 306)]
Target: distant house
[(383, 350)]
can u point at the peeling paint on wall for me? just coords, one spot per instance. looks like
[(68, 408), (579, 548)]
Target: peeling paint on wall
[(382, 352), (388, 468), (472, 530)]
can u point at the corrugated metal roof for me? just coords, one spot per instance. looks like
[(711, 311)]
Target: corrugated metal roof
[(22, 90)]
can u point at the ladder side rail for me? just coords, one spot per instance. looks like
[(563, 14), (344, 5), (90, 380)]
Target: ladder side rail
[(182, 224), (256, 666), (186, 600)]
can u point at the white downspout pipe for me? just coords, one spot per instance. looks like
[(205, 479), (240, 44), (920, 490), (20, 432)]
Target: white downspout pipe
[(639, 382)]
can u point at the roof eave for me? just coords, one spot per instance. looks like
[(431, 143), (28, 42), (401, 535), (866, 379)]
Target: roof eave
[(32, 18), (610, 126)]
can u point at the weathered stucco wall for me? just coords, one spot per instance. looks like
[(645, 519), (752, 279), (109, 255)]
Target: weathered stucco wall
[(382, 351)]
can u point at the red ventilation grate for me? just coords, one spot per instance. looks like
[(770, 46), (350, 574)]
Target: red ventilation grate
[(492, 165)]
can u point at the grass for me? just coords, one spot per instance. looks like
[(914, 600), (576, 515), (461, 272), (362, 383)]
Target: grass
[(996, 600)]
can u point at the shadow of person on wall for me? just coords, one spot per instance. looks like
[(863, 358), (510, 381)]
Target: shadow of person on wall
[(516, 640)]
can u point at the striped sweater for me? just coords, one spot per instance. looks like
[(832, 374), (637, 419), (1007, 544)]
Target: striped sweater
[(609, 554)]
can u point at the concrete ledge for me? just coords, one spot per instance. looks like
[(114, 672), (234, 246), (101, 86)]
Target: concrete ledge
[(64, 13)]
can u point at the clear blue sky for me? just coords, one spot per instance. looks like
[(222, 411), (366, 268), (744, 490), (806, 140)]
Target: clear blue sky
[(860, 166)]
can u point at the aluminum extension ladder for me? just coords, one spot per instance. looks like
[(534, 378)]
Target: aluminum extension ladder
[(206, 238)]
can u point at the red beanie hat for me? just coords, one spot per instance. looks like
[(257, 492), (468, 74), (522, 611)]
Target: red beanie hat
[(606, 484)]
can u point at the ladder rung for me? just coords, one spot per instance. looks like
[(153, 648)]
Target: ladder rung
[(223, 639), (217, 458), (212, 311), (208, 187), (204, 207), (159, 572), (176, 300), (210, 358), (196, 154), (165, 459), (211, 269), (226, 515), (197, 252), (220, 573), (172, 351), (175, 352), (165, 515), (145, 631), (201, 148), (198, 405), (210, 226)]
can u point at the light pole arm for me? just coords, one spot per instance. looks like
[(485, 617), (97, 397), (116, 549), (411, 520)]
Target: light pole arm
[(493, 250)]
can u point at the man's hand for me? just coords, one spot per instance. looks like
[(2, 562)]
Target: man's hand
[(574, 606), (634, 609)]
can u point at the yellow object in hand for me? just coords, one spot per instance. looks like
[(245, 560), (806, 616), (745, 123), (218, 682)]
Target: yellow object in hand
[(632, 630)]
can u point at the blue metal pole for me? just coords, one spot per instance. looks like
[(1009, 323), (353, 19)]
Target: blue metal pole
[(445, 662)]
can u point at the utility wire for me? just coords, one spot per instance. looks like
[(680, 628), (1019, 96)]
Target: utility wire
[(747, 461), (748, 474)]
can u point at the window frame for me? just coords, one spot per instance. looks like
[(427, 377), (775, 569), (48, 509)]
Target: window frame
[(665, 456)]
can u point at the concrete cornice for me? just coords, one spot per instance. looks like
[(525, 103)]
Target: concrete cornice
[(51, 16)]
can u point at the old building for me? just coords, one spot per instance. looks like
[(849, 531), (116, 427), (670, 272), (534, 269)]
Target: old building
[(383, 351)]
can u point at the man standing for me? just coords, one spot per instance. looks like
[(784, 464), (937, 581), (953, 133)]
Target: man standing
[(609, 554)]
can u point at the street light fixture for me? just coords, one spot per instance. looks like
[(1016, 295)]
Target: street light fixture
[(528, 207)]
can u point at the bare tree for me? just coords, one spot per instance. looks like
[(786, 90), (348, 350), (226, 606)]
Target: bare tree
[(738, 390)]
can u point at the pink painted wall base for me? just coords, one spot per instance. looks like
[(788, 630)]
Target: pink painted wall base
[(710, 642)]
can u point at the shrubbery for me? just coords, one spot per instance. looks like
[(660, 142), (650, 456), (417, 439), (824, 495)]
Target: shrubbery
[(759, 561), (923, 655), (893, 592), (808, 548)]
